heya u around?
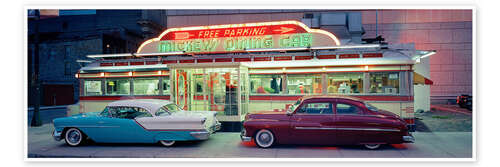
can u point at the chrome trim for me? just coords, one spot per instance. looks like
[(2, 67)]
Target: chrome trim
[(200, 135), (97, 126), (408, 139), (57, 135), (243, 136), (360, 129)]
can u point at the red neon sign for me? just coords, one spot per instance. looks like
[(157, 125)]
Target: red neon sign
[(234, 32)]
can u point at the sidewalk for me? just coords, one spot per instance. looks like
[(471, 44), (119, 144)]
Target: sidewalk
[(450, 108), (229, 145)]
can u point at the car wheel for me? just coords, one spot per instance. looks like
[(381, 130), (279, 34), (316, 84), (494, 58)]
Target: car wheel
[(74, 137), (264, 138), (372, 146), (167, 143)]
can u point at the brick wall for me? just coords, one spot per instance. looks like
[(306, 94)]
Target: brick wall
[(447, 31)]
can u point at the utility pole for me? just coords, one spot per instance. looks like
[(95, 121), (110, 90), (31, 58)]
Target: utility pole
[(36, 120)]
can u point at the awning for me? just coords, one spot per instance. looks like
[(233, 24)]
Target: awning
[(419, 79)]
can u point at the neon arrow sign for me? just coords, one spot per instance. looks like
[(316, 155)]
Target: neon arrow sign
[(238, 37)]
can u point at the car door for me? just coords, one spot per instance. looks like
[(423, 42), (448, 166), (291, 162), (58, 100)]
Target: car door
[(120, 126), (312, 123), (350, 122)]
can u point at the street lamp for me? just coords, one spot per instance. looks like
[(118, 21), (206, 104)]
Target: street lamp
[(34, 16)]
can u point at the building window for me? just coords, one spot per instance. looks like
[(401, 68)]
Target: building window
[(67, 52), (118, 86), (92, 88), (67, 68), (384, 82), (304, 84), (345, 83), (146, 86), (166, 86), (266, 84)]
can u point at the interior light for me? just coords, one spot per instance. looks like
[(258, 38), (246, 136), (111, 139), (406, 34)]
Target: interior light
[(324, 68), (283, 69), (130, 73), (102, 74), (366, 68), (159, 72)]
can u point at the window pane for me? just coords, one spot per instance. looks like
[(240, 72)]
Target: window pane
[(385, 83), (146, 86), (166, 86), (345, 83), (304, 84), (129, 112), (266, 84), (315, 108), (92, 88), (118, 86), (348, 109)]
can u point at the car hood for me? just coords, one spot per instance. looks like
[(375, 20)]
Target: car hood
[(268, 115)]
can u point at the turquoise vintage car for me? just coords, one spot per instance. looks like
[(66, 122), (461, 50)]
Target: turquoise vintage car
[(137, 121)]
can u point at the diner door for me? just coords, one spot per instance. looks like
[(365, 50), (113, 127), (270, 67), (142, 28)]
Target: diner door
[(181, 89), (313, 123)]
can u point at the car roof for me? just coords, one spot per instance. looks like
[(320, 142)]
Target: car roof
[(152, 105), (332, 97)]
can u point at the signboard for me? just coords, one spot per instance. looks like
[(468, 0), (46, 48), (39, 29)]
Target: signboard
[(238, 37)]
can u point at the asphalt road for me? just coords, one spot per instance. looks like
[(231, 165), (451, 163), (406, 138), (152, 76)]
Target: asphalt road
[(229, 145)]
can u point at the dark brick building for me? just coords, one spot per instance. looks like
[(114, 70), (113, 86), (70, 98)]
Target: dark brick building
[(73, 35)]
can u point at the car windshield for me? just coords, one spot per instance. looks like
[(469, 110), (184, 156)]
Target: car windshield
[(168, 109), (370, 107)]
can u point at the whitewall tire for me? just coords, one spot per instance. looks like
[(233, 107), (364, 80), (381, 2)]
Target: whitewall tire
[(372, 146), (264, 138), (74, 137), (167, 143)]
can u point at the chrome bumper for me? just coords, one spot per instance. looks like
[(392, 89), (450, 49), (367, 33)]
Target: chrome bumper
[(244, 137), (56, 135), (200, 135), (408, 139)]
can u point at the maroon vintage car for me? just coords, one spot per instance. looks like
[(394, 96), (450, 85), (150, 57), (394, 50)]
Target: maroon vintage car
[(331, 120)]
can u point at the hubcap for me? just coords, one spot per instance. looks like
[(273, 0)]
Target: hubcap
[(264, 138), (74, 137)]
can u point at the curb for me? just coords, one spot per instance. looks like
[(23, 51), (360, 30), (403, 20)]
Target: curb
[(450, 110)]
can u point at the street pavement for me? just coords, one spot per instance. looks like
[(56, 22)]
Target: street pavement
[(229, 145)]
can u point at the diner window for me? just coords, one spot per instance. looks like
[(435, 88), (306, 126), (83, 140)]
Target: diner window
[(118, 86), (384, 83), (346, 109), (146, 86), (92, 88), (266, 84), (315, 108), (345, 83), (304, 84), (166, 86)]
